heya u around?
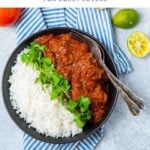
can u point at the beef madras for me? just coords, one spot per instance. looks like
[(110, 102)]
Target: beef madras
[(78, 65)]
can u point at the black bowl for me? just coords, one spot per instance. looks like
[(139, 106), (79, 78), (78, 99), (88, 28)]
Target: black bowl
[(89, 128)]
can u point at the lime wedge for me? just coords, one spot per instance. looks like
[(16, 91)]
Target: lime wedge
[(138, 44), (126, 18)]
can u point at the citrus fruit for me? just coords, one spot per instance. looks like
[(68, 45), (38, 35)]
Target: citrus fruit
[(126, 18), (138, 44)]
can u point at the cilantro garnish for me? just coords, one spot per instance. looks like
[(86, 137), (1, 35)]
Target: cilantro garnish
[(48, 75)]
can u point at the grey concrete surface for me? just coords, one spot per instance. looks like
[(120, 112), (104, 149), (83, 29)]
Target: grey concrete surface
[(123, 131)]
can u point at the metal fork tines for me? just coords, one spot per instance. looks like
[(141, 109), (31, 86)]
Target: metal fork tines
[(91, 43)]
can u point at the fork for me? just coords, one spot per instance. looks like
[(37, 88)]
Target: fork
[(134, 103)]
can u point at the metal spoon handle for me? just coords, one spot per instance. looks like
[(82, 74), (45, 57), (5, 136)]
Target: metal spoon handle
[(134, 103), (133, 107), (130, 93)]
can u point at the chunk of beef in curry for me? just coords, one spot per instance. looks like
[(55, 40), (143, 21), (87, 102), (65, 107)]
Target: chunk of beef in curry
[(77, 64)]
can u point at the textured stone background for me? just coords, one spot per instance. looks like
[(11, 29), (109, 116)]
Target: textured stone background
[(122, 131)]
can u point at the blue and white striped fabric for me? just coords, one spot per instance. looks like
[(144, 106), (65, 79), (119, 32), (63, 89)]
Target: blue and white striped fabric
[(94, 21)]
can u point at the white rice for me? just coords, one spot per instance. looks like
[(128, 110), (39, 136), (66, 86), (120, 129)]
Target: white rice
[(33, 104)]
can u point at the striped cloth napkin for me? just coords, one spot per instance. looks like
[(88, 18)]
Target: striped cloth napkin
[(94, 21)]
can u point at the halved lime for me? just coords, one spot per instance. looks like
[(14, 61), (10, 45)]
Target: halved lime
[(126, 18), (138, 44)]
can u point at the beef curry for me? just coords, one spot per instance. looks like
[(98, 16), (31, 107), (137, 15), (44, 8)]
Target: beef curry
[(78, 65)]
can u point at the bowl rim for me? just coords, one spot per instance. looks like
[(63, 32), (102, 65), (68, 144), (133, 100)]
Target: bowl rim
[(101, 124)]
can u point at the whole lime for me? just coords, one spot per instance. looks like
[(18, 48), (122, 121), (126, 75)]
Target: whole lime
[(126, 18)]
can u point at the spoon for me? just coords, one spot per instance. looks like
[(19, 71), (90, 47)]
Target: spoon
[(133, 102)]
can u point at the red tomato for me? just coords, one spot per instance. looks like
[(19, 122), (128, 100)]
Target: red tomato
[(8, 16)]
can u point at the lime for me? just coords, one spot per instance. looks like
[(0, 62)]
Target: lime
[(126, 18), (138, 44)]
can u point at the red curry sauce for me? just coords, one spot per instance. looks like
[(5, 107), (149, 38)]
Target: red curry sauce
[(77, 64)]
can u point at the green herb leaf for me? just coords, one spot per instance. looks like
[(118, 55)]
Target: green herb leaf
[(56, 78), (86, 116), (48, 75), (79, 122), (62, 98), (56, 92), (66, 85), (24, 58), (36, 45), (84, 103), (46, 61), (42, 78), (72, 105)]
